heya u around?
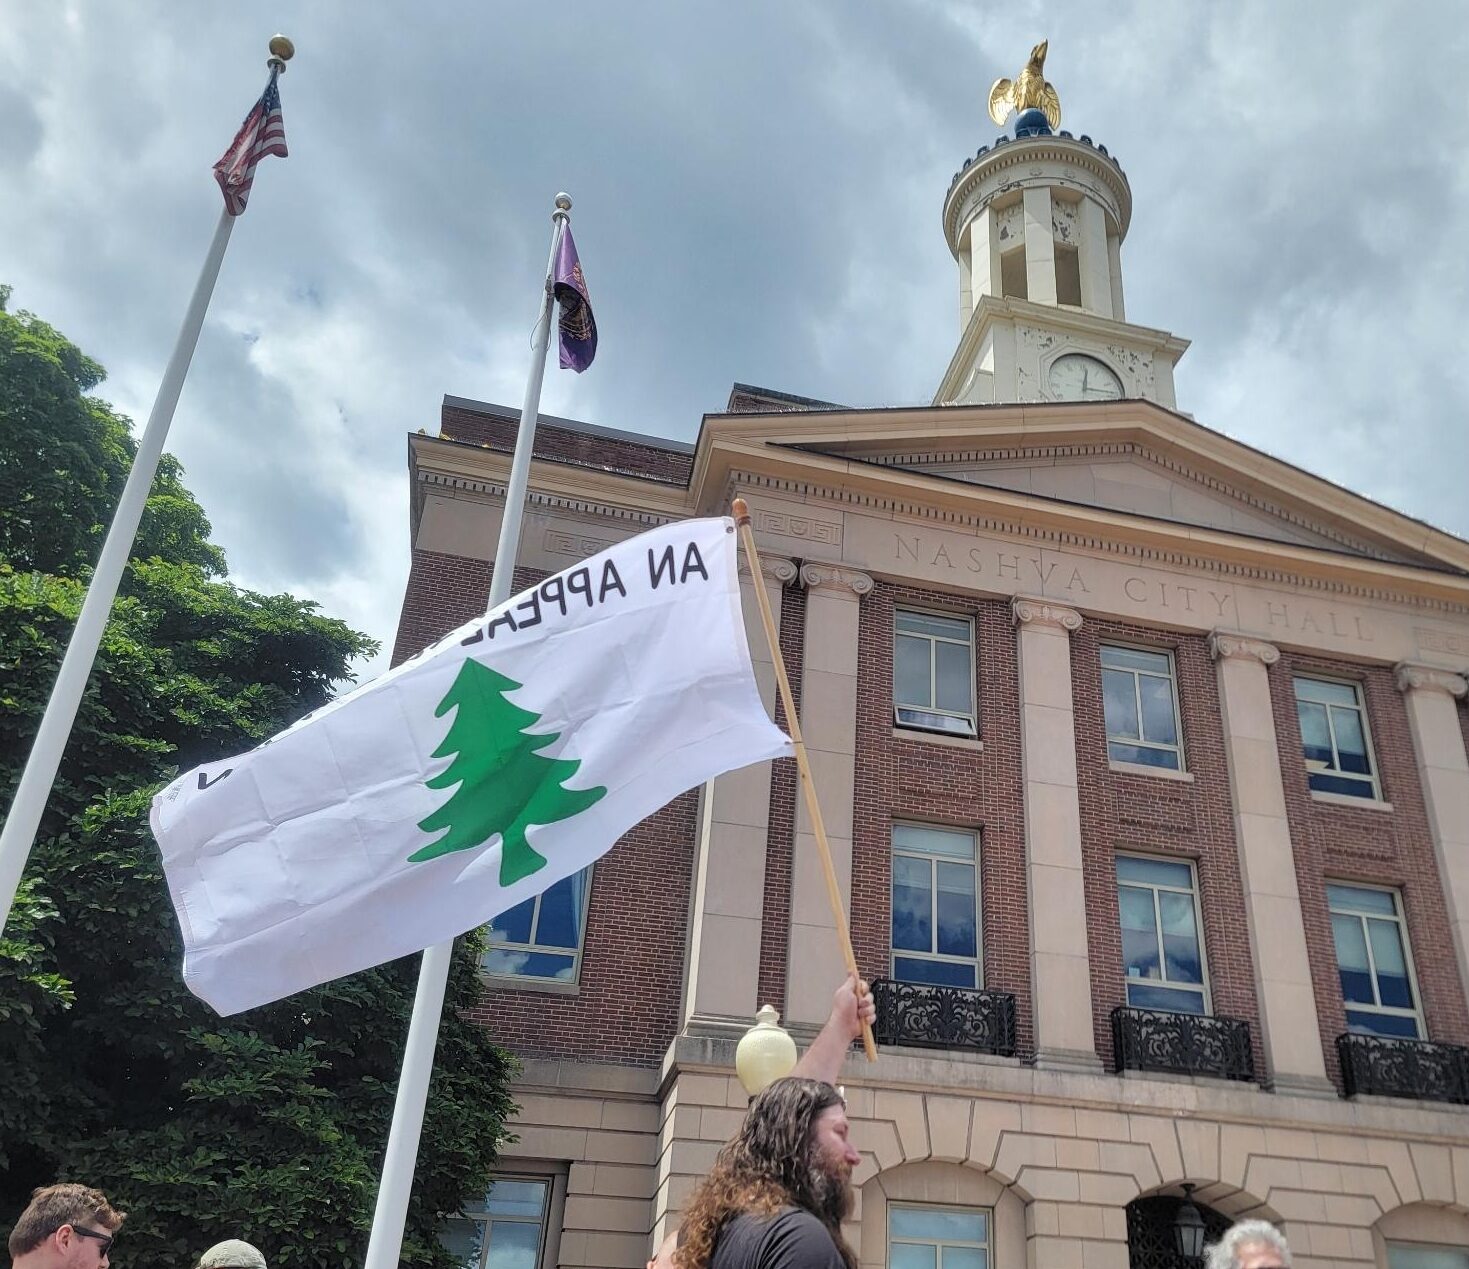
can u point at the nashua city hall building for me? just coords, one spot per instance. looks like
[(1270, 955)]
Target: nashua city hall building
[(1143, 759)]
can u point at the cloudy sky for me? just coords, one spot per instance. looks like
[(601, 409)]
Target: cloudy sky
[(758, 189)]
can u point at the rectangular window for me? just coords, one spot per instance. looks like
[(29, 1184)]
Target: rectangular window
[(1335, 739), (933, 672), (1140, 702), (1162, 949), (542, 937), (507, 1230), (938, 1237), (935, 906), (1373, 960), (1422, 1256)]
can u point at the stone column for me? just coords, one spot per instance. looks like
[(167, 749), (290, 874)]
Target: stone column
[(1283, 986), (815, 964), (1096, 266), (1060, 970), (1040, 248), (1443, 768), (723, 970), (1114, 262)]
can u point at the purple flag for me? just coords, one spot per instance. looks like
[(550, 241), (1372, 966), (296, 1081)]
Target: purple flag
[(577, 328)]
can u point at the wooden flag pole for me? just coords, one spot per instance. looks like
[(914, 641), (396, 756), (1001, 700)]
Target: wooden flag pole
[(808, 785)]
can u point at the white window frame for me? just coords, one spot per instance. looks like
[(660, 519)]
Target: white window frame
[(540, 982), (1193, 894), (1313, 767), (548, 1250), (1140, 743), (977, 960), (987, 1246), (971, 719), (1400, 917)]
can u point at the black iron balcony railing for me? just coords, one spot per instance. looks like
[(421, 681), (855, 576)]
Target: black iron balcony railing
[(1392, 1067), (1192, 1044), (944, 1017)]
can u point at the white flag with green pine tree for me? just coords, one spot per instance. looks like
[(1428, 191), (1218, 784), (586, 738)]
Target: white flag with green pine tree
[(510, 754)]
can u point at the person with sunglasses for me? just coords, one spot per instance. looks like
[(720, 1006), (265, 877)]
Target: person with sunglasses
[(65, 1227)]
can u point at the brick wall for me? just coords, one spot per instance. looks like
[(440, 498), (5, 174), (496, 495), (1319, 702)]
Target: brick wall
[(914, 779), (1153, 815), (1388, 848), (568, 445), (775, 923), (626, 1008)]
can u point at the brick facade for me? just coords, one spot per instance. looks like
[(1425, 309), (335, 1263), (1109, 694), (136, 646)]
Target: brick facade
[(1368, 844), (1154, 815), (901, 777)]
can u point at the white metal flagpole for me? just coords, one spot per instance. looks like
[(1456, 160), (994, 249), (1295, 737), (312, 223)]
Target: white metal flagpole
[(76, 667), (26, 809), (396, 1185)]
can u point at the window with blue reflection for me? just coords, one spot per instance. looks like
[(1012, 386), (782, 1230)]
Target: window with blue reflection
[(1140, 705), (1162, 948), (1423, 1256), (1334, 738), (938, 1237), (935, 906), (1372, 961), (542, 937), (506, 1231)]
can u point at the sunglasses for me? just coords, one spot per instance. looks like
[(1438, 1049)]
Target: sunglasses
[(105, 1239)]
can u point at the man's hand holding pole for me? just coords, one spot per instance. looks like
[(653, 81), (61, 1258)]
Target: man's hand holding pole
[(852, 1012)]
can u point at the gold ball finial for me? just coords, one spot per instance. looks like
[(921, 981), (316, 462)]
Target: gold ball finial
[(282, 48)]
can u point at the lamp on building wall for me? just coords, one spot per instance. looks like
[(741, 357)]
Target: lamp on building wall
[(765, 1052), (1188, 1226)]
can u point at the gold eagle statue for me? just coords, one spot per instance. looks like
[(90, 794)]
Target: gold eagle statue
[(1027, 91)]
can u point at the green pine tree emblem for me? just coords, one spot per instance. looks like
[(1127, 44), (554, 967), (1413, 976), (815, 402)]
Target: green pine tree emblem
[(505, 783)]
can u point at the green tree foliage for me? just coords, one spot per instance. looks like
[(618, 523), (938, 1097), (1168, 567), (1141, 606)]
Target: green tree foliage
[(505, 784), (269, 1125)]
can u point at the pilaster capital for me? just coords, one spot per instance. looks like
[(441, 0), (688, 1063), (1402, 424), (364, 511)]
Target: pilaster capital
[(1043, 612), (774, 568), (1225, 645), (819, 576), (1412, 677)]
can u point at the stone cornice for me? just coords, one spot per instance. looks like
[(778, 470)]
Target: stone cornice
[(775, 568), (1031, 150), (1025, 611), (1225, 645), (1413, 677), (495, 490), (819, 576), (1103, 532)]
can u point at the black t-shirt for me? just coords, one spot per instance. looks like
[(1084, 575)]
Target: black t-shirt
[(791, 1239)]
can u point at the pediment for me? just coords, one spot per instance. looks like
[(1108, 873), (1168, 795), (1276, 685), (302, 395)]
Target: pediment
[(1127, 478)]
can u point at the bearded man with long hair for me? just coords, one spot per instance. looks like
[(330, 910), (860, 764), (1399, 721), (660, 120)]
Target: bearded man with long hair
[(780, 1190)]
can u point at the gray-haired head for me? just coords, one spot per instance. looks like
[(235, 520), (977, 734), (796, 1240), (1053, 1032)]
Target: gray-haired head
[(1225, 1254)]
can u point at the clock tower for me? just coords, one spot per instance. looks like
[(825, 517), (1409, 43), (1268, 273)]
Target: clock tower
[(1036, 223)]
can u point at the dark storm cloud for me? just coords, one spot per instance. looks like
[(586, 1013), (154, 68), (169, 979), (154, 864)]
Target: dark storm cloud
[(758, 192)]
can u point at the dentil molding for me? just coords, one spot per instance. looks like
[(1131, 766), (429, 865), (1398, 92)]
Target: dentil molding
[(1412, 677), (834, 577), (1042, 612), (1224, 646)]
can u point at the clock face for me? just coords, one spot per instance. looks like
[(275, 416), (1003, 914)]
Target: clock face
[(1077, 377)]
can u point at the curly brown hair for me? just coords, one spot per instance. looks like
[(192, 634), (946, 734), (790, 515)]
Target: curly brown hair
[(768, 1166)]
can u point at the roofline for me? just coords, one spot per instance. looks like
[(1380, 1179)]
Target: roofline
[(755, 390), (1193, 423), (571, 425)]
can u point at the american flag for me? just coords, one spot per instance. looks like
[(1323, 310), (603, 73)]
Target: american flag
[(262, 133)]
